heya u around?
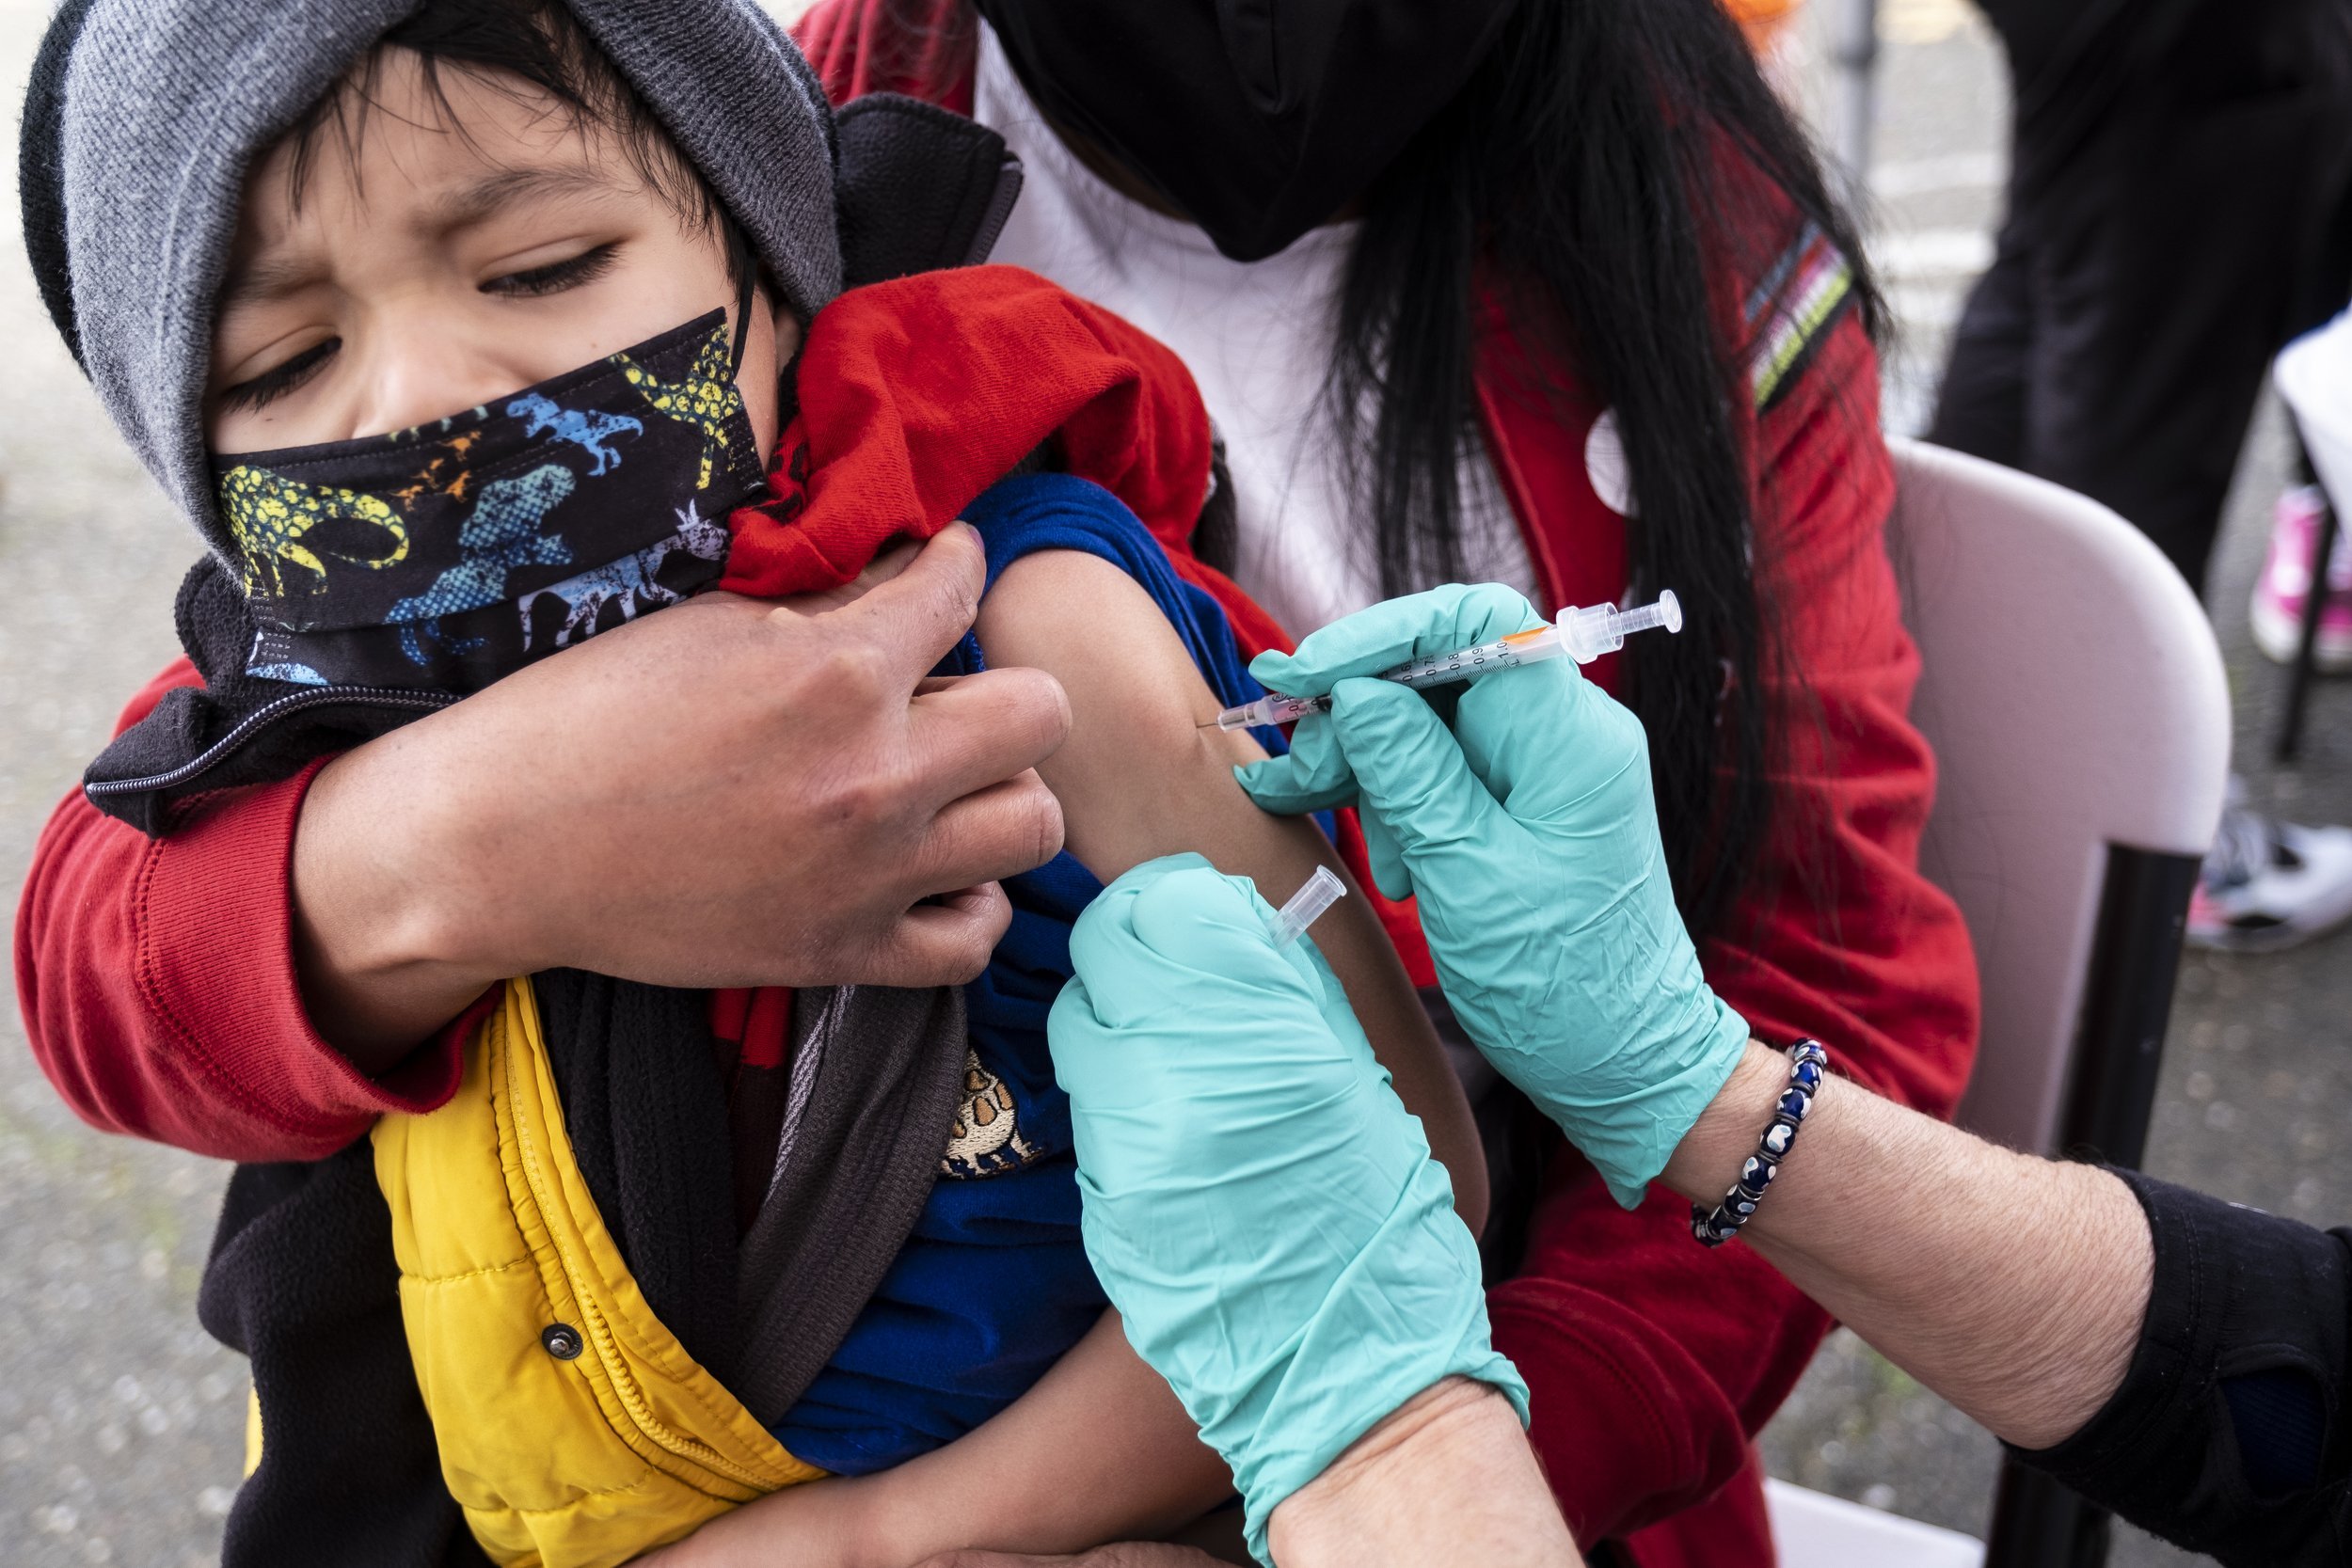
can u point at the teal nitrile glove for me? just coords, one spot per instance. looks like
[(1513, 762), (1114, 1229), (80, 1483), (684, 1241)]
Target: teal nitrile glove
[(1259, 1205), (1528, 833)]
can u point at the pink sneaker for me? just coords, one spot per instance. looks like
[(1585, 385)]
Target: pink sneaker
[(2278, 613)]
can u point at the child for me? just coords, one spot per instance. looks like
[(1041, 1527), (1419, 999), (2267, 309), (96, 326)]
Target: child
[(456, 334)]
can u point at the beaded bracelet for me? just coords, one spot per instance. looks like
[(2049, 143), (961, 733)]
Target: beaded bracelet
[(1807, 1061)]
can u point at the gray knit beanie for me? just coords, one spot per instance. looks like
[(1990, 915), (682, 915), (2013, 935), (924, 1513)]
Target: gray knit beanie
[(144, 116)]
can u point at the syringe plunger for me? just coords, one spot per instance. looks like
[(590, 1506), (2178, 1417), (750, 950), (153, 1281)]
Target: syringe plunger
[(1587, 634)]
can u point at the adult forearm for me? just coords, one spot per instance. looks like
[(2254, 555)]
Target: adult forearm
[(658, 805), (2012, 1286), (1447, 1480)]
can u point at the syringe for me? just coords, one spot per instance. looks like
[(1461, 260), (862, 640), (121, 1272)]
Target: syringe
[(1583, 635)]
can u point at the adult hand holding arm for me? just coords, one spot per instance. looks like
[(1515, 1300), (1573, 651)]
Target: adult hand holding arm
[(1266, 1218), (729, 793), (1264, 1215)]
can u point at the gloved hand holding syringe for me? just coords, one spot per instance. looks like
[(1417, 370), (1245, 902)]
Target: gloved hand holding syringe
[(1583, 635)]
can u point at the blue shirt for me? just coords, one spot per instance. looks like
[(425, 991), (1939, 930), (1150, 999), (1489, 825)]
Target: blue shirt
[(993, 1285)]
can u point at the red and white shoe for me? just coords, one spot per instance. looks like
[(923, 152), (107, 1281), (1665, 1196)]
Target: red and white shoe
[(2268, 884), (2286, 578)]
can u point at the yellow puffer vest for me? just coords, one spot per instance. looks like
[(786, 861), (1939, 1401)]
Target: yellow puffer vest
[(574, 1429)]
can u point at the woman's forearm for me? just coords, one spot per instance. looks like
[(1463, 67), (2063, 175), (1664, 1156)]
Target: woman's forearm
[(2012, 1286), (656, 805)]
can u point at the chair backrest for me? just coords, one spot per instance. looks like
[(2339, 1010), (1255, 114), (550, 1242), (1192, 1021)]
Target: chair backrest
[(2075, 699), (2072, 690), (1814, 1531), (2314, 374)]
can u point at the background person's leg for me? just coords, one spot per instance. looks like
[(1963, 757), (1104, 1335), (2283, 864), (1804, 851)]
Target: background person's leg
[(1984, 407), (2174, 198), (2178, 170), (2166, 212), (2156, 317), (1980, 408)]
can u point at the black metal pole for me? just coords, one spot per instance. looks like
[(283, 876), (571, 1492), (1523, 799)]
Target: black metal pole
[(2038, 1522), (2127, 1003), (2315, 605)]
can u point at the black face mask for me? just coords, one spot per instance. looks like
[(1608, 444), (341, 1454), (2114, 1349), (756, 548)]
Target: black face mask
[(446, 556), (1257, 119)]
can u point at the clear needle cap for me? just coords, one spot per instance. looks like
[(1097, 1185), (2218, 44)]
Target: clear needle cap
[(1323, 890)]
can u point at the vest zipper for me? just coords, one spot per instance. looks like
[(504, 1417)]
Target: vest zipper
[(243, 731)]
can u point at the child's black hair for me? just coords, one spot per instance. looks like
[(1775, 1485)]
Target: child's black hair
[(540, 44)]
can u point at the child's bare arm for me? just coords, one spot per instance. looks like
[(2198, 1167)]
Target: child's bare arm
[(1098, 1451), (1138, 779)]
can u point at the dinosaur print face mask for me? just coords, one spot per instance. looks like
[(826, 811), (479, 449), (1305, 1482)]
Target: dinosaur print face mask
[(450, 554)]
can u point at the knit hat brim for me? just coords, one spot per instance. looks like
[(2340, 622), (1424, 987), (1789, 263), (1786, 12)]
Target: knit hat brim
[(144, 116)]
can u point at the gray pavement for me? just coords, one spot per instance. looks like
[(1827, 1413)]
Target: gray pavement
[(120, 1423)]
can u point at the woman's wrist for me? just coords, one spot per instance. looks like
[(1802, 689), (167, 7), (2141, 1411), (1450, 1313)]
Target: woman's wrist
[(2012, 1286), (1724, 1136)]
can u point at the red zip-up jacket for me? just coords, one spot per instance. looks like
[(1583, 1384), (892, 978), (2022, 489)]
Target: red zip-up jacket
[(1652, 1361), (158, 987)]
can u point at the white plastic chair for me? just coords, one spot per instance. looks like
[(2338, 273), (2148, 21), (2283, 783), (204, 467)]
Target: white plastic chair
[(2313, 374), (1813, 1528), (2077, 702)]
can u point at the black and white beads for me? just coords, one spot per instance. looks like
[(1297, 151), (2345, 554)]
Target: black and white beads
[(1807, 1061)]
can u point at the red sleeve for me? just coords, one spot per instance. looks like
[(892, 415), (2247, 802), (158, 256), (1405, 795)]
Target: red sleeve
[(884, 446), (1852, 942), (1652, 1360), (926, 49), (156, 979)]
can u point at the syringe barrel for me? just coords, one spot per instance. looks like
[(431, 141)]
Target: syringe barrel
[(1272, 708), (1584, 634), (1479, 658)]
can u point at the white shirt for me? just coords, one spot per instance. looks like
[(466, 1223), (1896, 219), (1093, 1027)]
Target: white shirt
[(1258, 337)]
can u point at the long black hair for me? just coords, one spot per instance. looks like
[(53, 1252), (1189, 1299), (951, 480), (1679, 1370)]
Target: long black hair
[(1607, 160)]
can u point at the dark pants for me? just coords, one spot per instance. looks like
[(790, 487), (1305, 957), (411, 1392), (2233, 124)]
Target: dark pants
[(2179, 206)]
